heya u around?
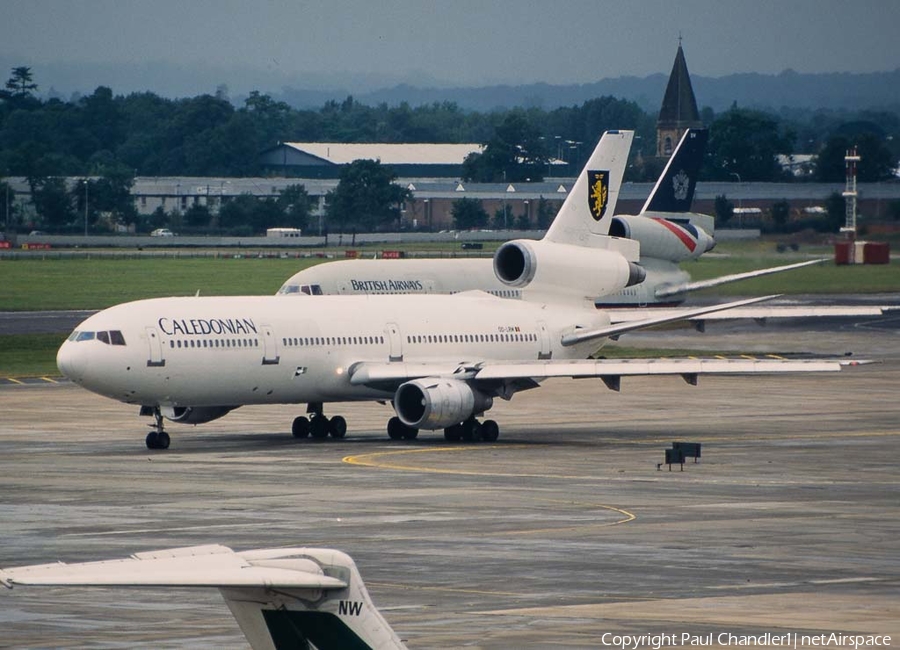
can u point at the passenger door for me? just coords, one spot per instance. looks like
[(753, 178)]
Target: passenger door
[(156, 357)]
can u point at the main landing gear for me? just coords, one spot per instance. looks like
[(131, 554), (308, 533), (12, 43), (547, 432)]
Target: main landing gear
[(157, 439), (473, 431), (399, 431), (317, 424)]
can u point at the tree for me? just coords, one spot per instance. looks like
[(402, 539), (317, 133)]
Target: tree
[(52, 201), (294, 203), (366, 198), (893, 210), (112, 193), (238, 213), (516, 152), (876, 160), (545, 214), (157, 219), (468, 214), (197, 216), (724, 209), (503, 217), (746, 143), (8, 208), (836, 211), (20, 84), (781, 212)]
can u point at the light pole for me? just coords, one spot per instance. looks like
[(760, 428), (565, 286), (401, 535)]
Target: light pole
[(85, 181), (740, 201)]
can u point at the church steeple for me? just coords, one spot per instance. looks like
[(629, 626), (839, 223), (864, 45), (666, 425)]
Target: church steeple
[(679, 108)]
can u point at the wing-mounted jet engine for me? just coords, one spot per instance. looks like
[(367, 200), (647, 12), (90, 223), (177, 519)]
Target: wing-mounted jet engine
[(442, 403), (563, 269)]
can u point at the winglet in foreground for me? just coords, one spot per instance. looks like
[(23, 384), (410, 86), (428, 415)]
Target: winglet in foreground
[(281, 597)]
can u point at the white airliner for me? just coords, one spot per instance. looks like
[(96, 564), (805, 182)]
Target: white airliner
[(667, 233), (280, 597)]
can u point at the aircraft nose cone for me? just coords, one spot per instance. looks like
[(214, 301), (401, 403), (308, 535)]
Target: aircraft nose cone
[(69, 363)]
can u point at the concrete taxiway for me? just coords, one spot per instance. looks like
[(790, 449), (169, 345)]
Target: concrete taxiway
[(561, 532)]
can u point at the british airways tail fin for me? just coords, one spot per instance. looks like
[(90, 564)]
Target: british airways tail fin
[(588, 209), (674, 190), (281, 597)]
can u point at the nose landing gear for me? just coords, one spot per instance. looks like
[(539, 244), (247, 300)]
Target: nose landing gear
[(157, 438)]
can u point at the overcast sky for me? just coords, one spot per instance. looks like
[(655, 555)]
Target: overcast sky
[(451, 42)]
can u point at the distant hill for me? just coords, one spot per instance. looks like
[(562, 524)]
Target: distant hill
[(788, 89)]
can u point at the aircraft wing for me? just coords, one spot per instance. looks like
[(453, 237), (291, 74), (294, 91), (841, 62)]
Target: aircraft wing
[(197, 566), (685, 367), (687, 287), (524, 374)]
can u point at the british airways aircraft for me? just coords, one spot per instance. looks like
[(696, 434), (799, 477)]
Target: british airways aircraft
[(666, 231)]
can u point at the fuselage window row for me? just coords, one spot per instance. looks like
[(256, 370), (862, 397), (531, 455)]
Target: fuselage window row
[(214, 343), (331, 341), (518, 337)]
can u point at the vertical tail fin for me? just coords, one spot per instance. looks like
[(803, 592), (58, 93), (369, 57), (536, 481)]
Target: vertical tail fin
[(589, 208), (674, 191), (281, 597), (327, 619)]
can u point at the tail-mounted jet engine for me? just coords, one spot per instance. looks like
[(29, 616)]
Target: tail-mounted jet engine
[(194, 414), (434, 403), (566, 268), (665, 239)]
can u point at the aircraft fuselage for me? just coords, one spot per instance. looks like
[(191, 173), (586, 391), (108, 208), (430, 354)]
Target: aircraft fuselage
[(229, 351)]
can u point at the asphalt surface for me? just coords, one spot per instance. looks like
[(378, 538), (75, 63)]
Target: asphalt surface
[(558, 534)]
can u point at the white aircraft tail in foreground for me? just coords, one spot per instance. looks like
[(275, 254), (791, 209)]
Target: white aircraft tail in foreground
[(281, 597)]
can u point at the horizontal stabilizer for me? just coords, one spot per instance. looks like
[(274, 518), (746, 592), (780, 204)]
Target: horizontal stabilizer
[(280, 597), (199, 566)]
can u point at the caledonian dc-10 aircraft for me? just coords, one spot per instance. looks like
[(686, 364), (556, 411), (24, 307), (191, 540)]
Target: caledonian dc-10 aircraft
[(440, 360)]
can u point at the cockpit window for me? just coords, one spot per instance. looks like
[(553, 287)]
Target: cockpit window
[(112, 337), (301, 289)]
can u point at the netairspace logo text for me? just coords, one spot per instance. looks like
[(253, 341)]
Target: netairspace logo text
[(787, 640)]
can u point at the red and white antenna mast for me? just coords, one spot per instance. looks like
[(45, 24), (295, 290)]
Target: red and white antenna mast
[(850, 159)]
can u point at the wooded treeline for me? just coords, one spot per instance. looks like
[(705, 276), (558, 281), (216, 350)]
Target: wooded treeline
[(148, 135)]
